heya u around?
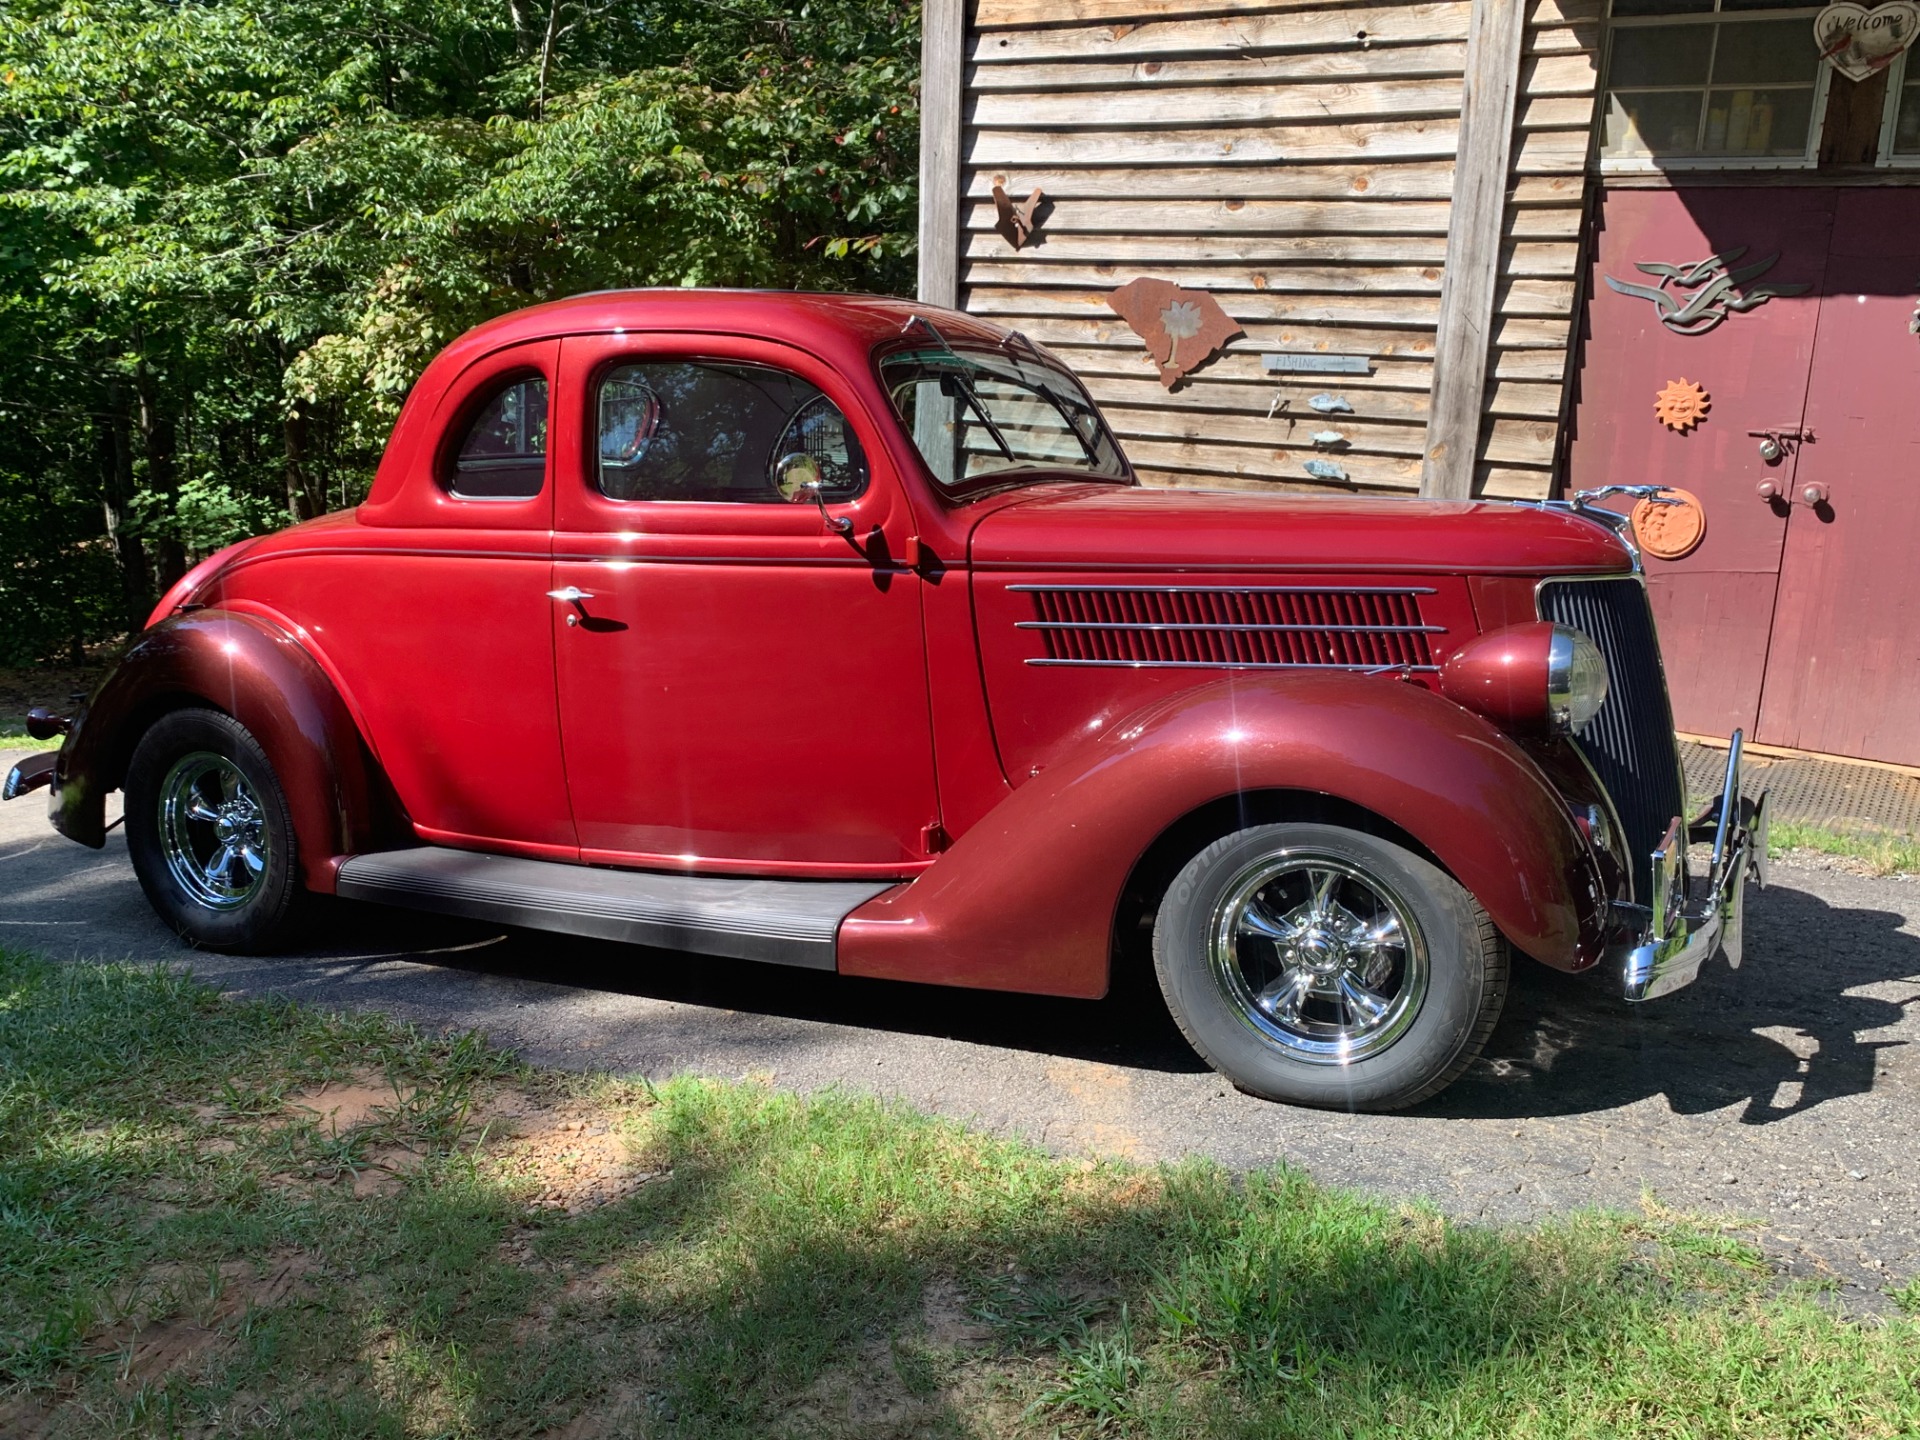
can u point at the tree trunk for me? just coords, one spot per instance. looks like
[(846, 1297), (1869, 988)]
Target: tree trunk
[(114, 443), (294, 438), (523, 32), (160, 438)]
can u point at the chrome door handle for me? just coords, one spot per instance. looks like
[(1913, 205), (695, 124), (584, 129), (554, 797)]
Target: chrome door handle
[(572, 595)]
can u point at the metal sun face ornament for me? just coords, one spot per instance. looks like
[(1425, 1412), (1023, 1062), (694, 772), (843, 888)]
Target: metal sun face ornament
[(1672, 526), (1681, 405)]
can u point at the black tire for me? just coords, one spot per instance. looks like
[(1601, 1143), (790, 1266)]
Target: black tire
[(1298, 996), (245, 910)]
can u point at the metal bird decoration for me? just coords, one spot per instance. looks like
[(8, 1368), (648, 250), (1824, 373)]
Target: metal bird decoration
[(1016, 222), (1698, 313)]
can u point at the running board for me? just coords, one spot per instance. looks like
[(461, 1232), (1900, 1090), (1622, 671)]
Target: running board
[(783, 922)]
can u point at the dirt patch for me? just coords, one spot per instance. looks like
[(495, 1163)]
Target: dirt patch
[(1102, 1095), (176, 1314), (29, 1417), (948, 1318), (1089, 1080), (621, 1412), (570, 1160), (868, 1398), (385, 1171), (363, 1097)]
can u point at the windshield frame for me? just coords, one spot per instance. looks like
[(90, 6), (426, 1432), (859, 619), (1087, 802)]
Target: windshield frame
[(1063, 391)]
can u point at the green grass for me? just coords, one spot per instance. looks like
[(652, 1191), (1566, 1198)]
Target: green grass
[(17, 740), (780, 1266), (1884, 854)]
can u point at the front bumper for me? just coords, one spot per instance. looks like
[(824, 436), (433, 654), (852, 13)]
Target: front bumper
[(29, 775), (1680, 934)]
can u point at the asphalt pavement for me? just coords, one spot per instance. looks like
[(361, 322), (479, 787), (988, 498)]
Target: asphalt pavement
[(1787, 1092)]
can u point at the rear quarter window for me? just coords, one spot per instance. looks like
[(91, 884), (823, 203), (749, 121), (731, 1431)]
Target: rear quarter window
[(502, 452)]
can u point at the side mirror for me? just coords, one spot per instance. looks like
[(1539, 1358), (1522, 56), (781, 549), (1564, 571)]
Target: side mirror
[(792, 474), (798, 479)]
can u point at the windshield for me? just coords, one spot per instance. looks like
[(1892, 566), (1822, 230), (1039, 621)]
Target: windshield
[(978, 414)]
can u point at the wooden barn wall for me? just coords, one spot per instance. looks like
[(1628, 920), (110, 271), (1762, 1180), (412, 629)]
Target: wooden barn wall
[(1296, 160)]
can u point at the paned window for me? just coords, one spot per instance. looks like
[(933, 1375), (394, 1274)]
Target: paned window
[(1900, 140), (503, 455), (679, 430), (1721, 83)]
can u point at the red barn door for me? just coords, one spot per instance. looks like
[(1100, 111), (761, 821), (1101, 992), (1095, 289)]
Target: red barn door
[(1715, 606), (1844, 672)]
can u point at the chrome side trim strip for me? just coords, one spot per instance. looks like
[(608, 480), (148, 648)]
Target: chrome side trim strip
[(1234, 589), (1245, 665), (1178, 625)]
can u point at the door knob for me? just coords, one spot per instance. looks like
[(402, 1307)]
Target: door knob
[(1814, 495), (1768, 490)]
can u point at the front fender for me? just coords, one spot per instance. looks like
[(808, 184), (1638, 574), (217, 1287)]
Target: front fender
[(1026, 900), (259, 674)]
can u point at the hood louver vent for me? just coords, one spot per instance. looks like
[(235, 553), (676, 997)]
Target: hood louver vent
[(1239, 628)]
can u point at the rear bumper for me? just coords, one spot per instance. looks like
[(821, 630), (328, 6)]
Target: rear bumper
[(1679, 933)]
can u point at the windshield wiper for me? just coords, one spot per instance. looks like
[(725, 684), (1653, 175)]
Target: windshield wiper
[(973, 403), (1059, 402)]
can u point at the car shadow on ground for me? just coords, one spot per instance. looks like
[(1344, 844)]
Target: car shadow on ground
[(1566, 1045), (1781, 1035), (1129, 1027)]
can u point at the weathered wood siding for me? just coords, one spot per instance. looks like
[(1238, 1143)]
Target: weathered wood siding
[(1298, 161)]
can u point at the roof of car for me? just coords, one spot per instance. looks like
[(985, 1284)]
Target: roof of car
[(780, 314)]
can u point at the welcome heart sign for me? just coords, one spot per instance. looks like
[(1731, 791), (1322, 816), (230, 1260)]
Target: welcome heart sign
[(1857, 41)]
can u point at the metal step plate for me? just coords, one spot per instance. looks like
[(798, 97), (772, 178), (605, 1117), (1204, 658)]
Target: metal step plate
[(784, 922)]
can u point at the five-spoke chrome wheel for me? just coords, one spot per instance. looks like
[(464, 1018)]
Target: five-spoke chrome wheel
[(1319, 956), (1327, 965), (213, 832)]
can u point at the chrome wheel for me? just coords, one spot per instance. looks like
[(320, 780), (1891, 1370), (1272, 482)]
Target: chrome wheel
[(1320, 957), (213, 833)]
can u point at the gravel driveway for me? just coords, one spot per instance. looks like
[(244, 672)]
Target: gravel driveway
[(1788, 1093)]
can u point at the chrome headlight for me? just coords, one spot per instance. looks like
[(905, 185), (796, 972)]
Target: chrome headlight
[(1576, 679)]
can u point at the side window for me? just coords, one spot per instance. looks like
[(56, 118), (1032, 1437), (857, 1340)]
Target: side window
[(503, 455), (676, 430)]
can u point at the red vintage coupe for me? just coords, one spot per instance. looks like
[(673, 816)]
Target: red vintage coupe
[(835, 631)]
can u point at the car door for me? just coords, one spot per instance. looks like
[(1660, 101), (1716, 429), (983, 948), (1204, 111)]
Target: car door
[(742, 679), (435, 621)]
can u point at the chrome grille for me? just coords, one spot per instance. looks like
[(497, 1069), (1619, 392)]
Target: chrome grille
[(1240, 628), (1630, 743)]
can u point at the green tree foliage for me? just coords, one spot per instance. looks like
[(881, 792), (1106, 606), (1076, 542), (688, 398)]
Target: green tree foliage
[(233, 231)]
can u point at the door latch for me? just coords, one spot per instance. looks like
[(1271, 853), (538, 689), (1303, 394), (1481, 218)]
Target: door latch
[(1779, 441)]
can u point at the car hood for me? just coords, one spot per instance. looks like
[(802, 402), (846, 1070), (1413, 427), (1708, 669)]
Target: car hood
[(1111, 527)]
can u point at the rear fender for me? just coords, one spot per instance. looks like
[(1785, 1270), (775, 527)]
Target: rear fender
[(258, 673), (1027, 899)]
